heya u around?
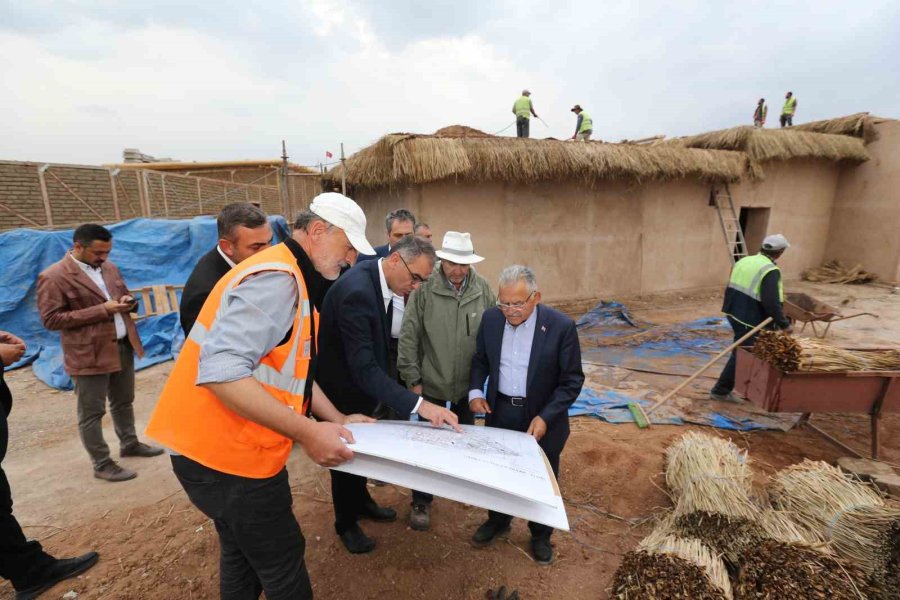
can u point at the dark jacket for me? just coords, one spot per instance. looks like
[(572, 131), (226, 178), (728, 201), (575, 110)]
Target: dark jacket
[(206, 274), (752, 312), (554, 370), (69, 302), (354, 337), (380, 252)]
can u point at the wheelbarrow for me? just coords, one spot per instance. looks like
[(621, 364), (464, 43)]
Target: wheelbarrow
[(803, 308)]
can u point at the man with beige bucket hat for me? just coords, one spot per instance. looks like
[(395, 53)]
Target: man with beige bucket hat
[(437, 339)]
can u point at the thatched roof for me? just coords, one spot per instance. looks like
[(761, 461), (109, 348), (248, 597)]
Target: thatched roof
[(401, 159), (778, 144), (859, 125)]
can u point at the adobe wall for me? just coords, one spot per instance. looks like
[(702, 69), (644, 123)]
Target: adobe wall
[(620, 237), (866, 217)]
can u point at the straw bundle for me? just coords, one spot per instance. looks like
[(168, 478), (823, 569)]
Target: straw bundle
[(667, 566), (851, 515), (835, 272), (701, 455), (772, 144), (789, 354), (858, 125)]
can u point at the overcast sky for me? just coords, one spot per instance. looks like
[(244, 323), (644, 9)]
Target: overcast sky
[(201, 80)]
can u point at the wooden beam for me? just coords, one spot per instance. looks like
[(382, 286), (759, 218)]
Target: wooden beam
[(20, 215), (44, 195), (162, 179), (71, 191), (115, 195)]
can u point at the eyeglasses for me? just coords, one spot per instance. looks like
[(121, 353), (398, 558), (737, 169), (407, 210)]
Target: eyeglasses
[(415, 277), (515, 307)]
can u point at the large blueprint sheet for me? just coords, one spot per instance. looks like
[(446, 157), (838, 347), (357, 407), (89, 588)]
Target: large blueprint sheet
[(484, 466)]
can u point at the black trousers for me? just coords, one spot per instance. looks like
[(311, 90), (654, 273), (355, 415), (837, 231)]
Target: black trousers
[(383, 412), (507, 416), (725, 384), (787, 120), (522, 127), (21, 560), (461, 410), (349, 496), (261, 545)]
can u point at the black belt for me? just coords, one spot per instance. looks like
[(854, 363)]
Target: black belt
[(517, 401)]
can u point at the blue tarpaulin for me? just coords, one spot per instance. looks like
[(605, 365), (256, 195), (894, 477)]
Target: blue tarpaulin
[(611, 337), (147, 251)]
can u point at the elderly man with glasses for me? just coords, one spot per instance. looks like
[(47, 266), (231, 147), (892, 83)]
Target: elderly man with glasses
[(530, 356)]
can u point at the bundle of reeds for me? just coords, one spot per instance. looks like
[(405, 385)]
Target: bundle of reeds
[(667, 566), (835, 272), (789, 354), (848, 513), (701, 455)]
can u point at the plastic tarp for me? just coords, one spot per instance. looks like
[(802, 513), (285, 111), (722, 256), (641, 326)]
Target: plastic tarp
[(611, 337), (147, 251)]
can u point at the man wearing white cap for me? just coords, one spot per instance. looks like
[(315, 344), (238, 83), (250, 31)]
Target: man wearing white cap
[(754, 293), (241, 392), (437, 339)]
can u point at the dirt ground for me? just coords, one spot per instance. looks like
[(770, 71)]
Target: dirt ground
[(155, 545)]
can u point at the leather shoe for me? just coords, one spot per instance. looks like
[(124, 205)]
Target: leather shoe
[(61, 569), (356, 541), (542, 550), (420, 516), (140, 449), (113, 472), (380, 514), (488, 532)]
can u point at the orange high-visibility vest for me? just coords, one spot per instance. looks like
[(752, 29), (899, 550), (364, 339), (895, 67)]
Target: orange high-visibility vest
[(192, 421)]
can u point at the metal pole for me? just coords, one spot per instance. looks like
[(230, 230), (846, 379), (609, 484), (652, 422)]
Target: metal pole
[(282, 181), (343, 172)]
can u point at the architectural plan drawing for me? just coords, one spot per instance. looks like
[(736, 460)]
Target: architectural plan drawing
[(483, 466)]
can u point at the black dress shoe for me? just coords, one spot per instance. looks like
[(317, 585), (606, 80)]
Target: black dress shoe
[(63, 568), (141, 449), (542, 550), (356, 541), (381, 514), (488, 532)]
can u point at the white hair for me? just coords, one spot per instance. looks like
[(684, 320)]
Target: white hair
[(514, 273)]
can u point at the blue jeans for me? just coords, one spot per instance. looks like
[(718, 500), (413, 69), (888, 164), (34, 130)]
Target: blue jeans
[(522, 127)]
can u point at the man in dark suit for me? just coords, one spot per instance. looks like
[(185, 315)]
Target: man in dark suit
[(352, 366), (532, 356), (24, 562), (399, 223), (244, 230)]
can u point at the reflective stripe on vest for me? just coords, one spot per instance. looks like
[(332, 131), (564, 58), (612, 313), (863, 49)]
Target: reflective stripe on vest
[(191, 420), (586, 123), (522, 107), (748, 273), (789, 106)]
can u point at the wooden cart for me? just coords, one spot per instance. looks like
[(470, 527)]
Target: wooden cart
[(868, 392)]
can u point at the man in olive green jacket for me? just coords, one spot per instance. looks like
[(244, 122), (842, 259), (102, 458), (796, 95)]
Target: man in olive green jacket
[(437, 339)]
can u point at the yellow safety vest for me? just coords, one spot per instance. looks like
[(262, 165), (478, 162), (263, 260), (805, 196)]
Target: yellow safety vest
[(586, 123), (522, 107), (748, 273), (789, 106)]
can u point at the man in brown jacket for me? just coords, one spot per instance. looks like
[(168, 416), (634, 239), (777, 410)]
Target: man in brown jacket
[(84, 297)]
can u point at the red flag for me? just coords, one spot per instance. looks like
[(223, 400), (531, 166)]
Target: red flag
[(328, 154)]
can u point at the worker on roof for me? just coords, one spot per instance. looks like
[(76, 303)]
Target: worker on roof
[(759, 115), (788, 110), (584, 127), (523, 109), (754, 293)]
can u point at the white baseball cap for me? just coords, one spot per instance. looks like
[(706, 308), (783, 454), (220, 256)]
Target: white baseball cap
[(775, 242), (457, 247), (342, 212)]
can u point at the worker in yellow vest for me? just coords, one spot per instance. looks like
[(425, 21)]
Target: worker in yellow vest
[(788, 110), (523, 109), (584, 127), (754, 293), (241, 391), (759, 115)]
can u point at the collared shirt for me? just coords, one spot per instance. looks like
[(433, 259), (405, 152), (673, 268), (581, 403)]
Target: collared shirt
[(462, 287), (225, 256), (390, 297), (96, 276), (515, 354)]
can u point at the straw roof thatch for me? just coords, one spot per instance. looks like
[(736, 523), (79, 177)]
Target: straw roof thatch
[(859, 125), (778, 144), (401, 159)]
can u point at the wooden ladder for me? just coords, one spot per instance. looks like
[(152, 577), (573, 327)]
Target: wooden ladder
[(720, 197)]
